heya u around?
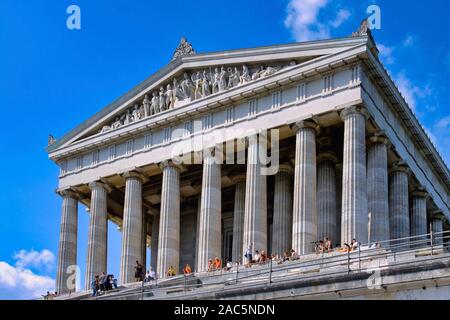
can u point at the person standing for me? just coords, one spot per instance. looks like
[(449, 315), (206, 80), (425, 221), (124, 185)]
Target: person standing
[(138, 273)]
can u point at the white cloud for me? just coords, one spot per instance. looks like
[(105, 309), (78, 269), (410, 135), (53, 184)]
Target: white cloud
[(342, 16), (20, 283), (441, 129), (409, 41), (34, 258), (411, 92), (303, 19), (386, 53)]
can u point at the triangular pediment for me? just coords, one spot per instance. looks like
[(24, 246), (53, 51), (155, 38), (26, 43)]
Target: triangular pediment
[(196, 77)]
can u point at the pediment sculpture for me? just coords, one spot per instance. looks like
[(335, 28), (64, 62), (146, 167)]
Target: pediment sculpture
[(190, 87)]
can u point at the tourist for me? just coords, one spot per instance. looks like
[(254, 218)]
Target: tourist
[(150, 276), (294, 255), (257, 256), (102, 281), (95, 286), (263, 257), (327, 245), (171, 272), (354, 245), (217, 263), (187, 270), (249, 254), (113, 281), (210, 265), (319, 247), (229, 266), (138, 273)]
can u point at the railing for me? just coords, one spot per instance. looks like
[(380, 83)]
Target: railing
[(331, 263)]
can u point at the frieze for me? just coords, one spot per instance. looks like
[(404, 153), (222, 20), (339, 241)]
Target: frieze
[(191, 87)]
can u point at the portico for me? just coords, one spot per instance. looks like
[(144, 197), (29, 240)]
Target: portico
[(187, 172)]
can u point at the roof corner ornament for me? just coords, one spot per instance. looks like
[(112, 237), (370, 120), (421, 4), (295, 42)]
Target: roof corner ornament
[(183, 49), (363, 30), (51, 140)]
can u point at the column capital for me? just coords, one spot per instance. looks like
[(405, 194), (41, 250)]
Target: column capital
[(286, 168), (68, 193), (400, 166), (238, 178), (134, 174), (354, 110), (378, 137), (327, 156), (305, 124), (99, 184), (437, 215), (420, 192), (170, 164)]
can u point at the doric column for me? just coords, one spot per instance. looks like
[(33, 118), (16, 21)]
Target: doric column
[(169, 223), (132, 226), (154, 241), (437, 226), (304, 222), (238, 218), (210, 225), (98, 233), (326, 196), (143, 259), (377, 188), (354, 219), (255, 216), (67, 253), (197, 230), (282, 211), (398, 202), (418, 216)]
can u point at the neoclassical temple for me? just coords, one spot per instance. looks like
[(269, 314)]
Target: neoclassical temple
[(274, 147)]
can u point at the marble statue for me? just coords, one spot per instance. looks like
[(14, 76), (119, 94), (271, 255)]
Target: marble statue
[(222, 79), (234, 78), (216, 80), (146, 104), (183, 49), (105, 129), (245, 77), (162, 100), (51, 140), (154, 107), (116, 124), (205, 85), (192, 87), (187, 87), (136, 113), (170, 97), (198, 80)]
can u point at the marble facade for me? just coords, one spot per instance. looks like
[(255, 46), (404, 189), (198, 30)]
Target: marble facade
[(380, 179)]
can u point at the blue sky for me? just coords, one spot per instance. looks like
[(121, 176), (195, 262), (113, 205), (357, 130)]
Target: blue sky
[(52, 79)]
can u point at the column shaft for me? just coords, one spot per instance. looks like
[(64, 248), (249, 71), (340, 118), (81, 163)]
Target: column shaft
[(304, 223), (67, 253), (210, 225), (354, 218), (377, 190), (255, 216), (132, 228), (169, 224), (326, 200), (282, 212), (238, 221), (154, 241), (97, 234), (418, 216), (398, 205)]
